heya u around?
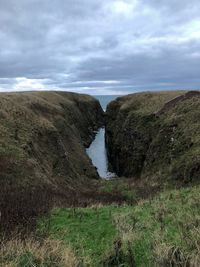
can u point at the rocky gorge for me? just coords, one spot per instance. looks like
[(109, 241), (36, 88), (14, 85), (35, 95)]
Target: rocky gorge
[(55, 209), (150, 137), (155, 136)]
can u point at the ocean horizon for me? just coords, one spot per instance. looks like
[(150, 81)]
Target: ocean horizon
[(105, 99)]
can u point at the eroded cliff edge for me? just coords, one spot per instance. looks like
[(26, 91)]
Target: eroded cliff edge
[(155, 135), (42, 148)]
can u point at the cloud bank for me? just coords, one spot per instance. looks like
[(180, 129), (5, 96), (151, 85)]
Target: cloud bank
[(99, 47)]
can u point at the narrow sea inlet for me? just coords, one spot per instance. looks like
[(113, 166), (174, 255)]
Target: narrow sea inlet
[(97, 153), (97, 150)]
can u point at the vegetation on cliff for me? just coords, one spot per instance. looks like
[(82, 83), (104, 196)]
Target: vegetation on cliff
[(155, 136), (42, 150)]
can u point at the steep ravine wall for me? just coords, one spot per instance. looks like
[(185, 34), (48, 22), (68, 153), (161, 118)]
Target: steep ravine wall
[(43, 136), (155, 135)]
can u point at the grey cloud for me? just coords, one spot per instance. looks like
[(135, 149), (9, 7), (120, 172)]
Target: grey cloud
[(79, 45)]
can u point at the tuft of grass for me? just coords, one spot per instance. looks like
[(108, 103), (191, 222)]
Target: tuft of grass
[(29, 253)]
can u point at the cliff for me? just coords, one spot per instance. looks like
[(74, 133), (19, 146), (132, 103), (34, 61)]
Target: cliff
[(155, 135), (42, 148)]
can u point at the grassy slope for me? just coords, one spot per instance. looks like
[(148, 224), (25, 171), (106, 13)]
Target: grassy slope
[(43, 136), (129, 129), (153, 233), (161, 232), (165, 146), (38, 127)]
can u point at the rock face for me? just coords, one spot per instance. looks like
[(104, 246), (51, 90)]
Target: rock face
[(155, 135), (43, 137)]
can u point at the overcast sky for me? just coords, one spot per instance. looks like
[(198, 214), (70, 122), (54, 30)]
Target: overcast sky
[(99, 46)]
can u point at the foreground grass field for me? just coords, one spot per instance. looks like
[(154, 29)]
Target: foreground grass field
[(164, 231)]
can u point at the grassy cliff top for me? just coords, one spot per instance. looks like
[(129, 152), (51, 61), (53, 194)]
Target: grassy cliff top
[(48, 94), (147, 102), (42, 101)]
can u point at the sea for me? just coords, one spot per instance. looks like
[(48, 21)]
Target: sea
[(105, 99), (97, 150)]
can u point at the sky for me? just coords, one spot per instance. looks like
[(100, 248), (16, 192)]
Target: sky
[(99, 46)]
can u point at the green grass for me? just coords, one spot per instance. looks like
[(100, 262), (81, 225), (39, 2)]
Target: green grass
[(153, 232), (169, 223), (121, 187), (89, 231)]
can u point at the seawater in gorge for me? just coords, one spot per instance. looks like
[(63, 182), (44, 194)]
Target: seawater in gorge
[(98, 155), (97, 150)]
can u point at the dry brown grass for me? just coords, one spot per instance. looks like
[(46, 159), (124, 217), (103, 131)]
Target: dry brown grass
[(48, 253), (164, 231), (169, 256)]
